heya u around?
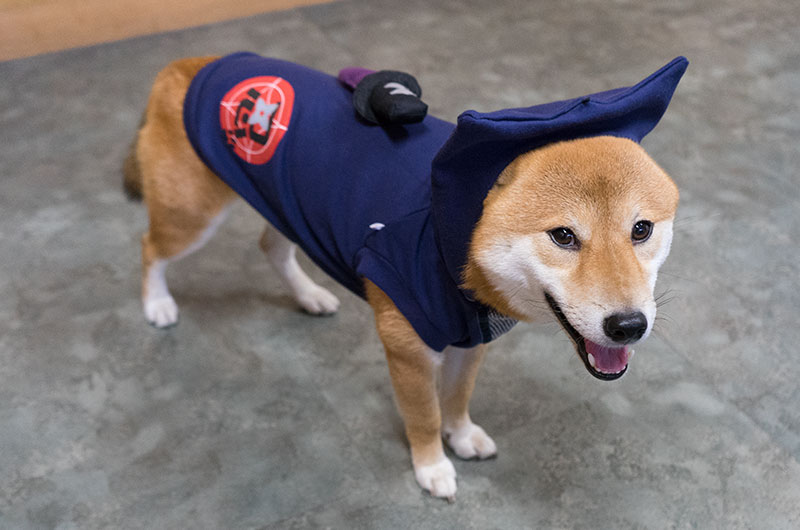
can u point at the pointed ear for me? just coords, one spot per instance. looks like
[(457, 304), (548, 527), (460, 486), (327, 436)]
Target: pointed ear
[(507, 175)]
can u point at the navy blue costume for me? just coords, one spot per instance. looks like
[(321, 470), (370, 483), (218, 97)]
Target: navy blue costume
[(395, 205)]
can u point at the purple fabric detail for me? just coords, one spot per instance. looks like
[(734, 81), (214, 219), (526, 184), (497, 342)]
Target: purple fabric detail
[(353, 75)]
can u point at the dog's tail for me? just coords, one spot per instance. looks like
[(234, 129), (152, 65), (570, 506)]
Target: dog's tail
[(131, 171)]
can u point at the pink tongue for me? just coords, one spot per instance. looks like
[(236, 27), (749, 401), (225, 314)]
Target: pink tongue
[(607, 360)]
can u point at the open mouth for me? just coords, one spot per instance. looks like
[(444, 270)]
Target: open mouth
[(602, 362)]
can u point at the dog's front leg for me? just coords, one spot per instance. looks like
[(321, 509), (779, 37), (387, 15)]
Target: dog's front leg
[(458, 373), (413, 367)]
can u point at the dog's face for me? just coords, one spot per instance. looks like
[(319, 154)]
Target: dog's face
[(582, 227)]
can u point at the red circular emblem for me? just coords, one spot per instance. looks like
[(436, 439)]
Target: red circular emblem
[(255, 115)]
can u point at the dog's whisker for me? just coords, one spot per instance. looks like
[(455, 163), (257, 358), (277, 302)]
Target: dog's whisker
[(666, 297), (658, 332), (678, 276), (662, 319), (695, 218), (536, 303)]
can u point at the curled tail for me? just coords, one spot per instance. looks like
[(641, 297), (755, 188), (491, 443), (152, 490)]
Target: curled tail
[(132, 175)]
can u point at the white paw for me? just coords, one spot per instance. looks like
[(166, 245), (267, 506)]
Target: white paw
[(471, 441), (318, 300), (161, 312), (439, 478)]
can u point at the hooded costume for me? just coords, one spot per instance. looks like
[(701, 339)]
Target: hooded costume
[(394, 204)]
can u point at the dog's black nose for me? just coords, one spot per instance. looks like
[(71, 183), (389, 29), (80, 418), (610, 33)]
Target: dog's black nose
[(625, 327)]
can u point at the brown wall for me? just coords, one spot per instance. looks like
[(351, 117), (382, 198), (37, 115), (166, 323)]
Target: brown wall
[(30, 27)]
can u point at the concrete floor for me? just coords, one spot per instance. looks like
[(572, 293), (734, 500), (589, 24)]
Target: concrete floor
[(250, 414)]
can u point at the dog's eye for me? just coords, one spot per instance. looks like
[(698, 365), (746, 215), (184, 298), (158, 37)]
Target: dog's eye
[(564, 237), (641, 231)]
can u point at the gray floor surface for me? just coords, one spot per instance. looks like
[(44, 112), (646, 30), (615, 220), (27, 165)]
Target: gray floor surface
[(250, 414)]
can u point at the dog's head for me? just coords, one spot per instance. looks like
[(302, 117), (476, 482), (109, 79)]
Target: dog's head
[(581, 226)]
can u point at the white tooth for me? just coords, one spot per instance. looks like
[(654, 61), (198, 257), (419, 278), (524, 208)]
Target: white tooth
[(591, 360), (630, 354)]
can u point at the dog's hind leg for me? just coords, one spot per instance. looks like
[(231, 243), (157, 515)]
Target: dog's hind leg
[(166, 242), (186, 202), (459, 370), (281, 254)]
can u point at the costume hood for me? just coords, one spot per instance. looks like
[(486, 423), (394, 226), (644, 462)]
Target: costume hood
[(483, 144)]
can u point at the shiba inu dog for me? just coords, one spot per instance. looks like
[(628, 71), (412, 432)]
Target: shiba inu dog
[(452, 233)]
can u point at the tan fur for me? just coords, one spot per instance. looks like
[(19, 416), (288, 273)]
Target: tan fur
[(181, 193), (429, 410), (413, 372), (132, 181), (598, 186)]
